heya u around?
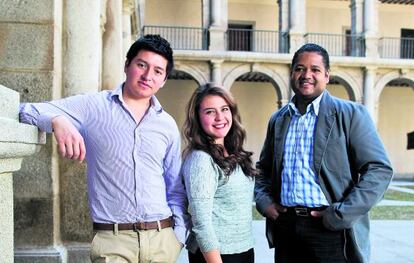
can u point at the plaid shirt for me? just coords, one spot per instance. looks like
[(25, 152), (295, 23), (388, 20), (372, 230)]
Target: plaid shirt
[(300, 185)]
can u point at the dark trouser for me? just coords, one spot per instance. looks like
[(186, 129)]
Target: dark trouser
[(244, 257), (305, 239)]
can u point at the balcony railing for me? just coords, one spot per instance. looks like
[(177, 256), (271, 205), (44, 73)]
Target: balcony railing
[(339, 45), (393, 47), (188, 38), (267, 41)]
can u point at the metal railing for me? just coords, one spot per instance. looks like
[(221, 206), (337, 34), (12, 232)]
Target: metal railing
[(394, 47), (269, 41), (185, 38), (339, 44), (251, 40)]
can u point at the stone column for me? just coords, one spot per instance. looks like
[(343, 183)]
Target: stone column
[(371, 28), (112, 57), (82, 66), (283, 25), (357, 25), (127, 11), (205, 21), (17, 140), (297, 19), (216, 71), (206, 13), (82, 51), (369, 94), (218, 25), (140, 23)]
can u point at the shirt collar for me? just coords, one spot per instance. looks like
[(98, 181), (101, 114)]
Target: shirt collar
[(315, 105), (155, 104)]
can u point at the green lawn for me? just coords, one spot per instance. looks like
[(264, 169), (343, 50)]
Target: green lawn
[(397, 195), (392, 213)]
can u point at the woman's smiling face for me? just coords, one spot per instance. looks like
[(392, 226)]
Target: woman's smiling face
[(215, 117)]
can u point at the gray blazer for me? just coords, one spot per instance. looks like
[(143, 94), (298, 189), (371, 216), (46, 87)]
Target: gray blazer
[(350, 162)]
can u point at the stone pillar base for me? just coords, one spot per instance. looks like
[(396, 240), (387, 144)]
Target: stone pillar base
[(79, 253), (371, 47), (71, 253), (38, 255), (217, 39), (296, 40)]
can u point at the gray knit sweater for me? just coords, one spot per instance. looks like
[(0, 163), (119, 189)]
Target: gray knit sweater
[(220, 206)]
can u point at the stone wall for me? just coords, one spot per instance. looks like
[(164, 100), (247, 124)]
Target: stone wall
[(27, 65)]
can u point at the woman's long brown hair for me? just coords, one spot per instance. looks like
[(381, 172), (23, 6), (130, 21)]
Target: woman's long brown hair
[(197, 139)]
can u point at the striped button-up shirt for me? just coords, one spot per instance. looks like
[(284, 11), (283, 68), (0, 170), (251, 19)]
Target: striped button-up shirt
[(133, 168), (300, 185)]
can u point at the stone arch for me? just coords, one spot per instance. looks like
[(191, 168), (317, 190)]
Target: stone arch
[(387, 78), (352, 87), (194, 72), (281, 87)]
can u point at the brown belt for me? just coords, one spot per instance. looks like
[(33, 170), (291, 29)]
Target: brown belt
[(164, 223)]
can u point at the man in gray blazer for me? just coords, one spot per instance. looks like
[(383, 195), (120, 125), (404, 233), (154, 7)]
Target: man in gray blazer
[(323, 167)]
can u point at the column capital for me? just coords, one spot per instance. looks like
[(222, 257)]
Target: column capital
[(370, 68), (216, 62), (216, 71)]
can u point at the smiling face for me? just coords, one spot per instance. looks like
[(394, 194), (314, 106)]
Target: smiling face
[(309, 76), (145, 75), (215, 117)]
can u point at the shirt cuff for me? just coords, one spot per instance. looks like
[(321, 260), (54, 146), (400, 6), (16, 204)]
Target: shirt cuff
[(45, 122)]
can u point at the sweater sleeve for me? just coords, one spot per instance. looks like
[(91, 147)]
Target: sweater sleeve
[(201, 179)]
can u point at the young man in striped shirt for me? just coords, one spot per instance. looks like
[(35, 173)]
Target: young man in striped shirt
[(136, 195)]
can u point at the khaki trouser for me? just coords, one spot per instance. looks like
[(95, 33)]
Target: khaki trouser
[(135, 247)]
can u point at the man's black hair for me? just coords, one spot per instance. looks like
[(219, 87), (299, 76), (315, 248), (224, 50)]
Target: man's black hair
[(310, 47), (154, 43)]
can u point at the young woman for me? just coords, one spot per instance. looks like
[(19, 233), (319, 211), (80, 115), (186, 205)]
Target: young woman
[(219, 179)]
